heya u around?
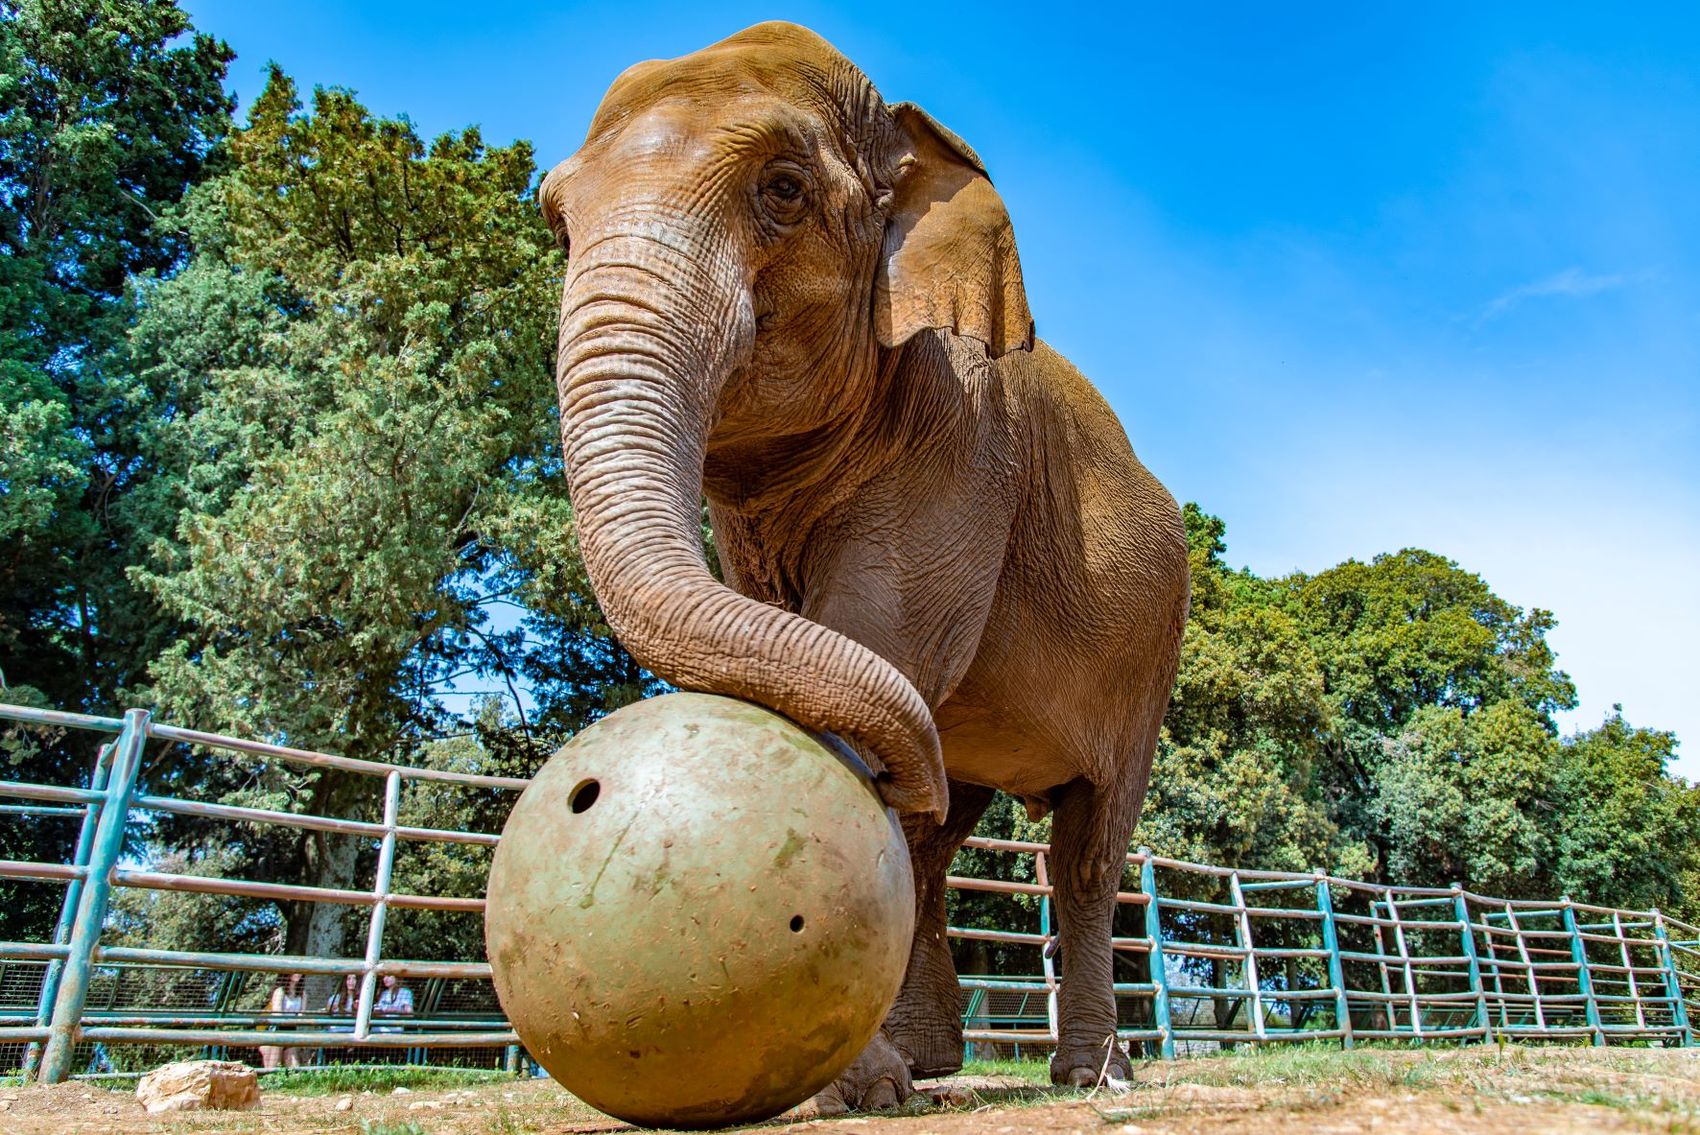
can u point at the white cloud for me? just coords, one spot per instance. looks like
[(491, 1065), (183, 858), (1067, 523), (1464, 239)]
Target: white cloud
[(1570, 282)]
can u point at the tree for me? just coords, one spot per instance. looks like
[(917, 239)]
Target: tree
[(371, 462), (1625, 832), (109, 112), (1407, 632), (1471, 799), (1232, 781)]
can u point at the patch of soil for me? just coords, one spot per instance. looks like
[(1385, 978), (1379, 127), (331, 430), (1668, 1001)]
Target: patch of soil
[(1448, 1092)]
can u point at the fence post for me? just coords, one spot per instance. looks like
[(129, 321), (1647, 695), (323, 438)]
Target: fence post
[(107, 846), (1047, 955), (1415, 1008), (1336, 971), (380, 907), (68, 909), (1673, 980), (1252, 981), (1467, 936), (1584, 980), (1159, 972), (1629, 970)]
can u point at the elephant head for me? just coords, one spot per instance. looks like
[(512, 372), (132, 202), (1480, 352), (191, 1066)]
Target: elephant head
[(751, 234)]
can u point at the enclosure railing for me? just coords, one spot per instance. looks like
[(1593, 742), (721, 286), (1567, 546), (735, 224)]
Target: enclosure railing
[(109, 812), (1206, 955), (1233, 955)]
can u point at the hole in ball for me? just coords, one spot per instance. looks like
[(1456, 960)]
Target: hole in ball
[(584, 796), (796, 923)]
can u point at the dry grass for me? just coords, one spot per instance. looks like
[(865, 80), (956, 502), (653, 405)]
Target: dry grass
[(1314, 1090)]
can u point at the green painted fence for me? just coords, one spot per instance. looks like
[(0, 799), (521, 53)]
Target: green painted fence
[(1206, 956)]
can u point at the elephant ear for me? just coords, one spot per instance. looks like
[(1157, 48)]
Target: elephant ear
[(949, 257)]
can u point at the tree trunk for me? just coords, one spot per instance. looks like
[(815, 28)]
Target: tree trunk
[(319, 929)]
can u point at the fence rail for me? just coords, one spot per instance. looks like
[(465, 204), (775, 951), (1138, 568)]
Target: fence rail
[(1206, 955)]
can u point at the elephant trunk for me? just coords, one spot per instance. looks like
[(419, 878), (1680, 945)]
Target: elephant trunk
[(639, 369)]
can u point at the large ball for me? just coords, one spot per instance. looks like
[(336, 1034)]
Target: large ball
[(699, 913)]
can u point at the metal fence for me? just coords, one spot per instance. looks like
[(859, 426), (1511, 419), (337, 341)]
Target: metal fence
[(1227, 956), (1206, 955), (88, 994)]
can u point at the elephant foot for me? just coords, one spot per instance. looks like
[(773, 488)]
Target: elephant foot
[(931, 1053), (1082, 1067), (878, 1080)]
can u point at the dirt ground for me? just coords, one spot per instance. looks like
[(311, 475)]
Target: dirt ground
[(1525, 1091)]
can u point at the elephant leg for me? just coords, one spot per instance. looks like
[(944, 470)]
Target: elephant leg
[(876, 1080), (926, 1022), (922, 1035), (1089, 840)]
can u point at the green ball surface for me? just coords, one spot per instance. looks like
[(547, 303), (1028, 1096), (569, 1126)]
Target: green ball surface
[(699, 913)]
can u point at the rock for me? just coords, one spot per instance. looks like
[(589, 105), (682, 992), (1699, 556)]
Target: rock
[(199, 1085), (817, 1107), (346, 1103), (947, 1094)]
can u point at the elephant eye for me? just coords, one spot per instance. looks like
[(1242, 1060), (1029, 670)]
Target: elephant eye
[(558, 230), (784, 193)]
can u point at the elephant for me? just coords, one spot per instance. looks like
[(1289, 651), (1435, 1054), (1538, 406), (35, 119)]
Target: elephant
[(804, 304)]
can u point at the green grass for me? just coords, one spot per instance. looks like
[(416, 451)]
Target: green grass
[(503, 1123), (1033, 1071), (337, 1081), (371, 1127), (1299, 1063), (1305, 1064)]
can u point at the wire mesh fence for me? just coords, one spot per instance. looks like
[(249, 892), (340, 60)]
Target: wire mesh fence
[(1206, 956)]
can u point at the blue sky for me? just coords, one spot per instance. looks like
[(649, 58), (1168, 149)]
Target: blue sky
[(1355, 278)]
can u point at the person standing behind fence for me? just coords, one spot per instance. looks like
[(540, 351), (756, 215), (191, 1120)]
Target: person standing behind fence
[(287, 997), (345, 1001), (396, 1000)]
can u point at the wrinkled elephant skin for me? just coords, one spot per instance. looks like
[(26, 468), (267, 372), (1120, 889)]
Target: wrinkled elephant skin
[(805, 303)]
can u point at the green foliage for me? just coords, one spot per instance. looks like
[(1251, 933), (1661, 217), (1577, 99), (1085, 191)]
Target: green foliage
[(386, 1127), (1233, 781), (1624, 827), (355, 473), (367, 469), (109, 112), (1390, 721), (1035, 1072), (1005, 818), (1412, 629), (202, 923), (1471, 798), (294, 486), (457, 870), (1400, 635)]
